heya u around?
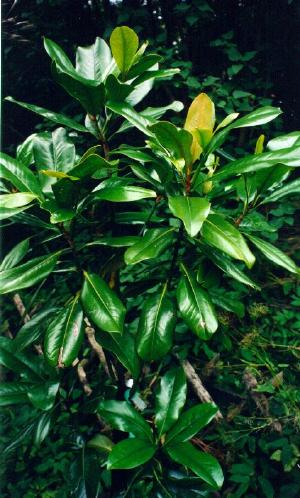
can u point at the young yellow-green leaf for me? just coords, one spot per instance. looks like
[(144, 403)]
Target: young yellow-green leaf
[(191, 210), (130, 453), (123, 193), (190, 423), (28, 274), (218, 232), (124, 43), (274, 254), (227, 121), (195, 306), (122, 415), (202, 464), (15, 255), (12, 201), (102, 305), (201, 114), (64, 336), (259, 146), (170, 399), (156, 327), (153, 243)]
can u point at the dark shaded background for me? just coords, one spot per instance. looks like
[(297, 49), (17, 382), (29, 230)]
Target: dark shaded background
[(180, 30)]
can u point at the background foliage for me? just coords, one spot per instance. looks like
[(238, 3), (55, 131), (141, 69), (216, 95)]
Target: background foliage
[(258, 443)]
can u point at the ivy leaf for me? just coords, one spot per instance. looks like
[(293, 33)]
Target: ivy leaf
[(102, 305), (156, 327), (170, 399), (191, 210), (195, 306)]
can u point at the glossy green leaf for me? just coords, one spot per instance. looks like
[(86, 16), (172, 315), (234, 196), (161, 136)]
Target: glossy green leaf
[(102, 305), (177, 141), (191, 210), (218, 232), (116, 91), (225, 264), (50, 115), (154, 74), (12, 201), (202, 464), (284, 141), (32, 330), (123, 347), (122, 416), (100, 443), (145, 63), (288, 189), (195, 306), (128, 193), (24, 151), (58, 214), (13, 393), (94, 62), (130, 453), (42, 428), (156, 327), (15, 255), (9, 213), (190, 423), (17, 174), (271, 177), (90, 96), (27, 274), (89, 165), (129, 113), (258, 117), (124, 43), (43, 395), (153, 243), (64, 336), (28, 366), (124, 241), (170, 399), (257, 162), (274, 254)]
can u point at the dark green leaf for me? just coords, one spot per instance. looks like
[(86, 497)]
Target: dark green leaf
[(170, 399), (64, 336), (51, 116), (218, 232), (130, 453), (15, 255), (190, 423), (102, 305), (153, 243), (128, 112), (12, 393), (128, 193), (122, 416), (123, 347), (28, 274), (191, 210), (32, 330), (43, 396), (156, 327), (17, 174), (289, 189), (195, 306), (274, 254), (202, 464)]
